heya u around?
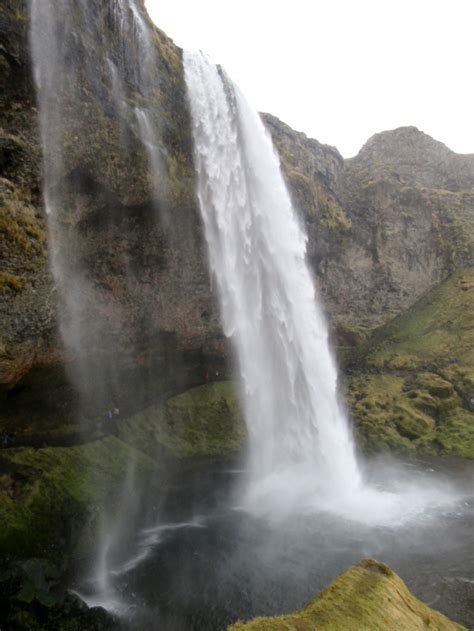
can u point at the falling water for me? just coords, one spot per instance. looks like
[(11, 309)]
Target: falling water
[(269, 306), (78, 49), (81, 49), (301, 449)]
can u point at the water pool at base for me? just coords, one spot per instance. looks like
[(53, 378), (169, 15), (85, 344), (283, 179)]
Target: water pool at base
[(204, 563)]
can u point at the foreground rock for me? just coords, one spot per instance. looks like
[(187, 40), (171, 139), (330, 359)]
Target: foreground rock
[(367, 596), (30, 600)]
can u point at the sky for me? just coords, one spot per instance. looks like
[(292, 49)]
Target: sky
[(341, 70)]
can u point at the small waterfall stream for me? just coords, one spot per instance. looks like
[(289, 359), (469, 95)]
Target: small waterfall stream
[(74, 55), (77, 50)]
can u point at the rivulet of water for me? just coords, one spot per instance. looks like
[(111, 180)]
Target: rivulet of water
[(95, 64)]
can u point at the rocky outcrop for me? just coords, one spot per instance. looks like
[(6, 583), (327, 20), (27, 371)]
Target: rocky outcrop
[(52, 497), (383, 227), (368, 595), (202, 422)]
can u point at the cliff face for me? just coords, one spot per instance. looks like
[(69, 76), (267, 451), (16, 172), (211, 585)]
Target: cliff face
[(383, 227), (411, 201), (146, 303), (26, 309)]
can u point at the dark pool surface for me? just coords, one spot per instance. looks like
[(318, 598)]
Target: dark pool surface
[(202, 565)]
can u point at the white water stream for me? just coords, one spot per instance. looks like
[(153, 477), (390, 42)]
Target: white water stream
[(301, 449)]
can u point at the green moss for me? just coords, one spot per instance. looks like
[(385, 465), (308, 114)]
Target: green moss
[(18, 223), (203, 421), (436, 385), (437, 329), (50, 498), (366, 596), (412, 382)]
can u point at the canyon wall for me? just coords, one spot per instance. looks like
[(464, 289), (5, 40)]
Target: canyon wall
[(383, 228)]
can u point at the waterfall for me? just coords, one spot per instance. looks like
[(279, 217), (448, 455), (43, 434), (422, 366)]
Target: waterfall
[(90, 86), (270, 308), (301, 453), (86, 74)]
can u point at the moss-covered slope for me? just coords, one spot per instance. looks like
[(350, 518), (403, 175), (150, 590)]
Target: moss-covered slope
[(412, 384), (50, 498), (368, 595), (203, 421)]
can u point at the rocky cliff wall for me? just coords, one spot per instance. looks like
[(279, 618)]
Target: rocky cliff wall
[(383, 227), (152, 312)]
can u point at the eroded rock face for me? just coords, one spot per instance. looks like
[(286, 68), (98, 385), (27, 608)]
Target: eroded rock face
[(385, 226), (26, 291)]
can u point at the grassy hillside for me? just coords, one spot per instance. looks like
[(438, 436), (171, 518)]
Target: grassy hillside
[(366, 596), (411, 385)]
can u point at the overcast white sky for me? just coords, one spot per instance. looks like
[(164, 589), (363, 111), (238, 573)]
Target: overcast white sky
[(341, 70)]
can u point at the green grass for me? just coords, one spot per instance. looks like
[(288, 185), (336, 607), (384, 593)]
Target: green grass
[(411, 383), (367, 596)]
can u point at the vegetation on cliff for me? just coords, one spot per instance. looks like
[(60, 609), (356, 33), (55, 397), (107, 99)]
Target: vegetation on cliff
[(203, 421), (411, 385), (368, 595), (50, 498)]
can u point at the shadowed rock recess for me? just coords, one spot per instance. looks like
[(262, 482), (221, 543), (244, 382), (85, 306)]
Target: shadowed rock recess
[(391, 246)]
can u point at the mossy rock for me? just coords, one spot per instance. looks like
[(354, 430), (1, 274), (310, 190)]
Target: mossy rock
[(436, 331), (366, 596), (436, 385), (389, 417), (29, 599), (51, 498), (203, 421), (411, 385), (11, 281)]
